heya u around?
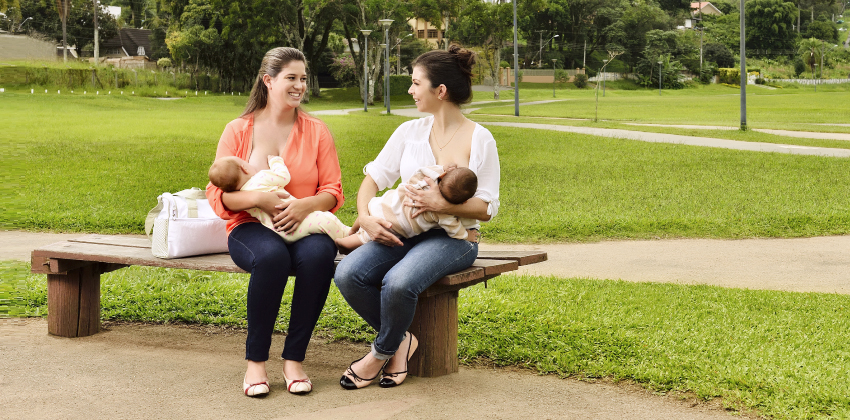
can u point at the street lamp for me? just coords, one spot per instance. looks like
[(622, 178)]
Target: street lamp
[(386, 24), (540, 53), (366, 33), (659, 77), (604, 77), (398, 53), (554, 75)]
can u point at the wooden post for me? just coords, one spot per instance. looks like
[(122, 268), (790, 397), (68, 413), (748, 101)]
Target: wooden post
[(435, 325), (73, 302)]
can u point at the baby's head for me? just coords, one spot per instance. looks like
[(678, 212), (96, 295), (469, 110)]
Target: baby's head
[(230, 173), (458, 184)]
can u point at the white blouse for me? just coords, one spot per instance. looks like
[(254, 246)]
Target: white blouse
[(408, 149)]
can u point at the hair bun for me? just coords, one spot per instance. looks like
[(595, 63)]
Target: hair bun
[(465, 58)]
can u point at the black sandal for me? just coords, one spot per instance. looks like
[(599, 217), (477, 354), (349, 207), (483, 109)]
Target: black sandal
[(347, 383), (386, 381)]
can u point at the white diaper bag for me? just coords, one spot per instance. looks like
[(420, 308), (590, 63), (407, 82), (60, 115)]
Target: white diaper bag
[(184, 224)]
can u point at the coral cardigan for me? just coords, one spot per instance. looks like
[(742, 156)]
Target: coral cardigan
[(309, 154)]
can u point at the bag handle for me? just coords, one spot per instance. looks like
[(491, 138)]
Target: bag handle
[(191, 195)]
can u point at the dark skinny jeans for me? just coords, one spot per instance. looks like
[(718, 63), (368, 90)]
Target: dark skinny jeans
[(263, 253)]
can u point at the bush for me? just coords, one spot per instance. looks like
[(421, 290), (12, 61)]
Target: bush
[(759, 81), (163, 62), (399, 84), (562, 76), (718, 53), (729, 76), (707, 74), (342, 69), (799, 67), (580, 81)]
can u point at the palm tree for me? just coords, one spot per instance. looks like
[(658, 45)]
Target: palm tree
[(810, 52)]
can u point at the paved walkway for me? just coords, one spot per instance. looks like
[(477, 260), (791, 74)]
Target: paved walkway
[(655, 137), (679, 139)]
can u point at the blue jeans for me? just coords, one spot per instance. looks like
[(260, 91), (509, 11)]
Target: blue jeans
[(382, 283), (263, 253)]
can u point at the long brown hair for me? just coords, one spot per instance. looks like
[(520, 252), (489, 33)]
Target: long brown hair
[(273, 62)]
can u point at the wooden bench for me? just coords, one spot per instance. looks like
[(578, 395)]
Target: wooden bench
[(74, 267)]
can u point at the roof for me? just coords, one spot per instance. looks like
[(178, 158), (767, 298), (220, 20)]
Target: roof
[(130, 39), (703, 4)]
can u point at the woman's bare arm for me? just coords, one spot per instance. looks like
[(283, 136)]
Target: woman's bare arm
[(377, 228)]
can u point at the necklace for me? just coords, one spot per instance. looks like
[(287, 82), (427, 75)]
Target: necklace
[(450, 138)]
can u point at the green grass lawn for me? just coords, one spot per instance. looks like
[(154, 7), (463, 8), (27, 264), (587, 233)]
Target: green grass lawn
[(781, 354), (68, 174), (788, 108)]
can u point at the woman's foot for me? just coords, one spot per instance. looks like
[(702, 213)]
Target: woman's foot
[(362, 372), (396, 370), (256, 381), (297, 381)]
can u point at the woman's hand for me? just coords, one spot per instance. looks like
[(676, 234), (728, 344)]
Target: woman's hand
[(379, 230), (426, 200), (268, 202), (291, 214)]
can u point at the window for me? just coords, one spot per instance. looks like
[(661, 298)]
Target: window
[(432, 33), (140, 51), (421, 34)]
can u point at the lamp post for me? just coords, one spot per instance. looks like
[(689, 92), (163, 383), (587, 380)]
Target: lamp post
[(659, 77), (540, 53), (398, 53), (604, 77), (386, 24), (743, 70), (516, 65), (554, 76), (366, 33)]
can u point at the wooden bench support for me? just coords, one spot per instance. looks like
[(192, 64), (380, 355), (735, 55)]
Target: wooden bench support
[(435, 325), (73, 300), (74, 267)]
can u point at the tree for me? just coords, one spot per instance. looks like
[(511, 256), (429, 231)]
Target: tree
[(810, 51), (823, 30), (718, 54), (360, 15), (79, 28), (770, 26), (306, 25), (489, 25)]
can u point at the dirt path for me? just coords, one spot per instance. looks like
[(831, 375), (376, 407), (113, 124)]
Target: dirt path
[(155, 371)]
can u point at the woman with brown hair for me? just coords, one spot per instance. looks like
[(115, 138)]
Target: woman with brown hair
[(382, 279), (273, 124)]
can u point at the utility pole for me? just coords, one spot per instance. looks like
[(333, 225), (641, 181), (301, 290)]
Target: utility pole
[(540, 53), (516, 65), (584, 58), (96, 42), (743, 73)]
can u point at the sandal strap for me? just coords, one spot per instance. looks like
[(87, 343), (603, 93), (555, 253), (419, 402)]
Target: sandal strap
[(393, 374), (357, 377)]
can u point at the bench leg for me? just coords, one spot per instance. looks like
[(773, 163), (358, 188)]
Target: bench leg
[(435, 325), (73, 302)]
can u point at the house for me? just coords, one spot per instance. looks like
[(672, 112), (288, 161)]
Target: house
[(129, 49), (704, 8), (427, 32)]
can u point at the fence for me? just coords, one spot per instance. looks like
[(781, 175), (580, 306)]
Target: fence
[(103, 78), (811, 81), (535, 75)]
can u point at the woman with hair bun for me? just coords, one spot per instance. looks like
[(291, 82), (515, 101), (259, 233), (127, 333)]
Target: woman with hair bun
[(273, 124), (382, 279)]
